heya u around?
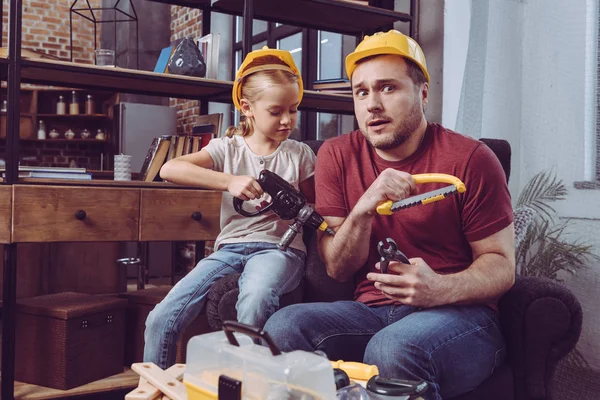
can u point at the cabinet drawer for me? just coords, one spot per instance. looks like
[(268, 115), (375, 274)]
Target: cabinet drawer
[(74, 214), (5, 213), (173, 214)]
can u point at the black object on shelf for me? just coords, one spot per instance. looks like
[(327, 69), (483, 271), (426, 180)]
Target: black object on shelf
[(118, 15)]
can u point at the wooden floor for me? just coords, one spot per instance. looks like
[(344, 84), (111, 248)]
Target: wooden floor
[(120, 383)]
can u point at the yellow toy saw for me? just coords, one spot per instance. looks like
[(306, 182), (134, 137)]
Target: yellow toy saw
[(456, 186)]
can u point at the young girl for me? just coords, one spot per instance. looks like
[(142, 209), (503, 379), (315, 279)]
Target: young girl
[(267, 91)]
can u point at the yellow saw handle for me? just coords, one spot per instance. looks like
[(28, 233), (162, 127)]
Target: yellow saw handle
[(385, 208)]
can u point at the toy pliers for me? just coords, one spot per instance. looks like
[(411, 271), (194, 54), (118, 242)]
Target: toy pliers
[(390, 254), (456, 186)]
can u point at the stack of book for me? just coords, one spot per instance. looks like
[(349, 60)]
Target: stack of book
[(333, 86), (51, 173), (167, 147)]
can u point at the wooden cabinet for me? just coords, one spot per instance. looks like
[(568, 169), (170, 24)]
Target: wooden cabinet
[(179, 215), (74, 214)]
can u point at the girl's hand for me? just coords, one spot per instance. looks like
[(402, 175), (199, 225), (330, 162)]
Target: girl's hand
[(244, 187)]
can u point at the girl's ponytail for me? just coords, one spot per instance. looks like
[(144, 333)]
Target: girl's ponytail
[(245, 128)]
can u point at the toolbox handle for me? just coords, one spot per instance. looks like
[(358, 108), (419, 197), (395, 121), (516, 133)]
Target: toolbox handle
[(233, 326)]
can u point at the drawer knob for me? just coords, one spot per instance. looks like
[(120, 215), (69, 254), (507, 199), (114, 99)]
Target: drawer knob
[(197, 216), (80, 215)]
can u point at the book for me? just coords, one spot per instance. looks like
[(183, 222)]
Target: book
[(216, 120), (155, 158), (163, 59), (209, 47), (53, 175), (179, 148), (48, 169)]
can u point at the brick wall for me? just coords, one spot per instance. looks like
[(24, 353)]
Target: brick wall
[(185, 22), (46, 28)]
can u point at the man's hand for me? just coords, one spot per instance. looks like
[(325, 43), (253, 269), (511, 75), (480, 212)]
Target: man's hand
[(390, 185), (414, 284), (244, 187)]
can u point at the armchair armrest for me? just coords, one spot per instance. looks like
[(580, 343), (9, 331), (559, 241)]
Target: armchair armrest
[(223, 295), (541, 321)]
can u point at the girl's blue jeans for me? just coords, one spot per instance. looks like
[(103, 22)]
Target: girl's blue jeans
[(267, 273), (453, 348)]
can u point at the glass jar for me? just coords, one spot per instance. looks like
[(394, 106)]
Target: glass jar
[(89, 105), (100, 135), (74, 106), (85, 134), (61, 106), (69, 134), (41, 134)]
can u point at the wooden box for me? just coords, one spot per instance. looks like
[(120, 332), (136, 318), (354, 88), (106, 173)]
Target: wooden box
[(141, 302), (68, 339)]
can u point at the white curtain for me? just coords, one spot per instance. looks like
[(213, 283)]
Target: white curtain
[(530, 77)]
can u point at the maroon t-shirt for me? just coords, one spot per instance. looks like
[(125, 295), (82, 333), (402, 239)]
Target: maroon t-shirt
[(438, 232)]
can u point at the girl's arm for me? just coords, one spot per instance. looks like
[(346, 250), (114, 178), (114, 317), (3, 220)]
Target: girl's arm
[(195, 170)]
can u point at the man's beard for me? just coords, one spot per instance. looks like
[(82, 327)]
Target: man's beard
[(402, 133)]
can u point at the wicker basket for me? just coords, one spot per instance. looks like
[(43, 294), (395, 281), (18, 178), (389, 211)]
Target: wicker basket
[(69, 339), (141, 302)]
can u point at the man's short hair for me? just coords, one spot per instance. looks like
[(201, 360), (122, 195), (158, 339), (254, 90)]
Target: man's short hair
[(415, 73)]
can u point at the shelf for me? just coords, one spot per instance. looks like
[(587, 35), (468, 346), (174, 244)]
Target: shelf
[(76, 116), (126, 380), (155, 84), (23, 114), (329, 15), (327, 103), (61, 140), (201, 4), (123, 80)]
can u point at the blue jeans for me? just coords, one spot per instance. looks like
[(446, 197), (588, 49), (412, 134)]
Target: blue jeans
[(453, 348), (267, 273)]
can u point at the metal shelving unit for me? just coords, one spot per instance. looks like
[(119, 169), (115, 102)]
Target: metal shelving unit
[(330, 15)]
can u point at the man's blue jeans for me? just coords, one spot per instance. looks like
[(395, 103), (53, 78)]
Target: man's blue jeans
[(267, 273), (453, 348)]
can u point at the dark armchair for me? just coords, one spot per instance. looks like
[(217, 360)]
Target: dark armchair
[(540, 318)]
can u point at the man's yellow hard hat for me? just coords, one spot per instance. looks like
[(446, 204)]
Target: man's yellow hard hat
[(390, 42), (244, 70)]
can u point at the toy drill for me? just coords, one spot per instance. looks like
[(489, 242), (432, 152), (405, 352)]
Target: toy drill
[(287, 203)]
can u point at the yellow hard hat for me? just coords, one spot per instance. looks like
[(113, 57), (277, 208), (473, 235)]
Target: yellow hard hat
[(390, 42), (244, 71)]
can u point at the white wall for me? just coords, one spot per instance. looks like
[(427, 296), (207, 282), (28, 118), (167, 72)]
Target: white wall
[(456, 18), (534, 83)]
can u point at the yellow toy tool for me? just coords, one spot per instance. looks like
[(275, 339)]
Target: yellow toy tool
[(356, 370), (456, 186)]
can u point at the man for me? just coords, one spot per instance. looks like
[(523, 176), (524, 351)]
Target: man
[(435, 318)]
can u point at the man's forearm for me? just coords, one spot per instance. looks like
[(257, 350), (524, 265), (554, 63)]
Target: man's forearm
[(347, 251), (485, 281)]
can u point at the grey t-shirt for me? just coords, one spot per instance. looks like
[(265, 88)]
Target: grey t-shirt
[(293, 161)]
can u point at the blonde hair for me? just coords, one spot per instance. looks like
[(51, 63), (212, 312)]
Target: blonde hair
[(254, 84)]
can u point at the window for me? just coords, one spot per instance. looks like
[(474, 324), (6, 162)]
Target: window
[(318, 55)]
